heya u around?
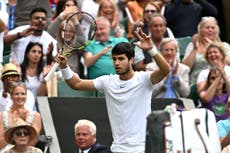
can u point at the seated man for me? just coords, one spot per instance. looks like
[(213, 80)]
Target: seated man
[(85, 138), (157, 29), (97, 55), (176, 83)]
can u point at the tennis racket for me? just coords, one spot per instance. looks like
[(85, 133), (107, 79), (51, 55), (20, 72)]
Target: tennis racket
[(74, 37)]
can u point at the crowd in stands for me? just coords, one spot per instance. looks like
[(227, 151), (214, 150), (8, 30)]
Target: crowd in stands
[(31, 42)]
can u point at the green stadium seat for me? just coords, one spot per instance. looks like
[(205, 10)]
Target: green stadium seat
[(65, 91), (6, 59), (183, 42), (194, 95)]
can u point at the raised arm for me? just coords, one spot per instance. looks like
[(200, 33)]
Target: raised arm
[(54, 25), (147, 45), (10, 38), (72, 79), (206, 95), (189, 60)]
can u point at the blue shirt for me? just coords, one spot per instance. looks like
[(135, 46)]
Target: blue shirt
[(170, 92), (223, 127), (11, 12), (104, 65)]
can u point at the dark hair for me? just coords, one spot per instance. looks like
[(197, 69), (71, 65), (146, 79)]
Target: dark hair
[(212, 70), (124, 48), (25, 62), (38, 9), (60, 5)]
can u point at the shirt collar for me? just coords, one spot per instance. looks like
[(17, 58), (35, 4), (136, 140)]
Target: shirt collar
[(110, 40), (84, 151)]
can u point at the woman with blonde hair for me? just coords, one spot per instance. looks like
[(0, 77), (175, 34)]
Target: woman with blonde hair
[(73, 36), (17, 110), (64, 9), (108, 9), (215, 57), (208, 32)]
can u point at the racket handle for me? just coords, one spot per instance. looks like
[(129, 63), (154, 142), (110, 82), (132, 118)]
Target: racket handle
[(51, 72)]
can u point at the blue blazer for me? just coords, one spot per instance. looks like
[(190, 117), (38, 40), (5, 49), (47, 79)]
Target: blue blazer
[(98, 148)]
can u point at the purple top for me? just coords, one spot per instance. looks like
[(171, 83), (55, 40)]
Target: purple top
[(218, 106)]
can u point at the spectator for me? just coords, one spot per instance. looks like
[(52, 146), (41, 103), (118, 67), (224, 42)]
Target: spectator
[(183, 16), (108, 9), (63, 10), (22, 35), (25, 7), (214, 95), (85, 138), (215, 55), (224, 131), (157, 29), (176, 84), (7, 118), (222, 8), (126, 92), (20, 135), (74, 37), (208, 31), (32, 69), (9, 75), (150, 9), (97, 55)]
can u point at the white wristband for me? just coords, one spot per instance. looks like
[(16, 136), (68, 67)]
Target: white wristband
[(67, 73), (153, 51)]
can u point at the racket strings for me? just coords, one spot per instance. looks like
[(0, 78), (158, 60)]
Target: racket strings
[(74, 35)]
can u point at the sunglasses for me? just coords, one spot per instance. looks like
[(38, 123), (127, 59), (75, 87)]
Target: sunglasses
[(22, 133), (150, 11)]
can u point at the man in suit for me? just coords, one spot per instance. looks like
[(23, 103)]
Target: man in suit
[(85, 138), (176, 83)]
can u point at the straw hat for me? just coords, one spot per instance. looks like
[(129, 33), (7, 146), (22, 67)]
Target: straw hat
[(9, 69), (20, 124)]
